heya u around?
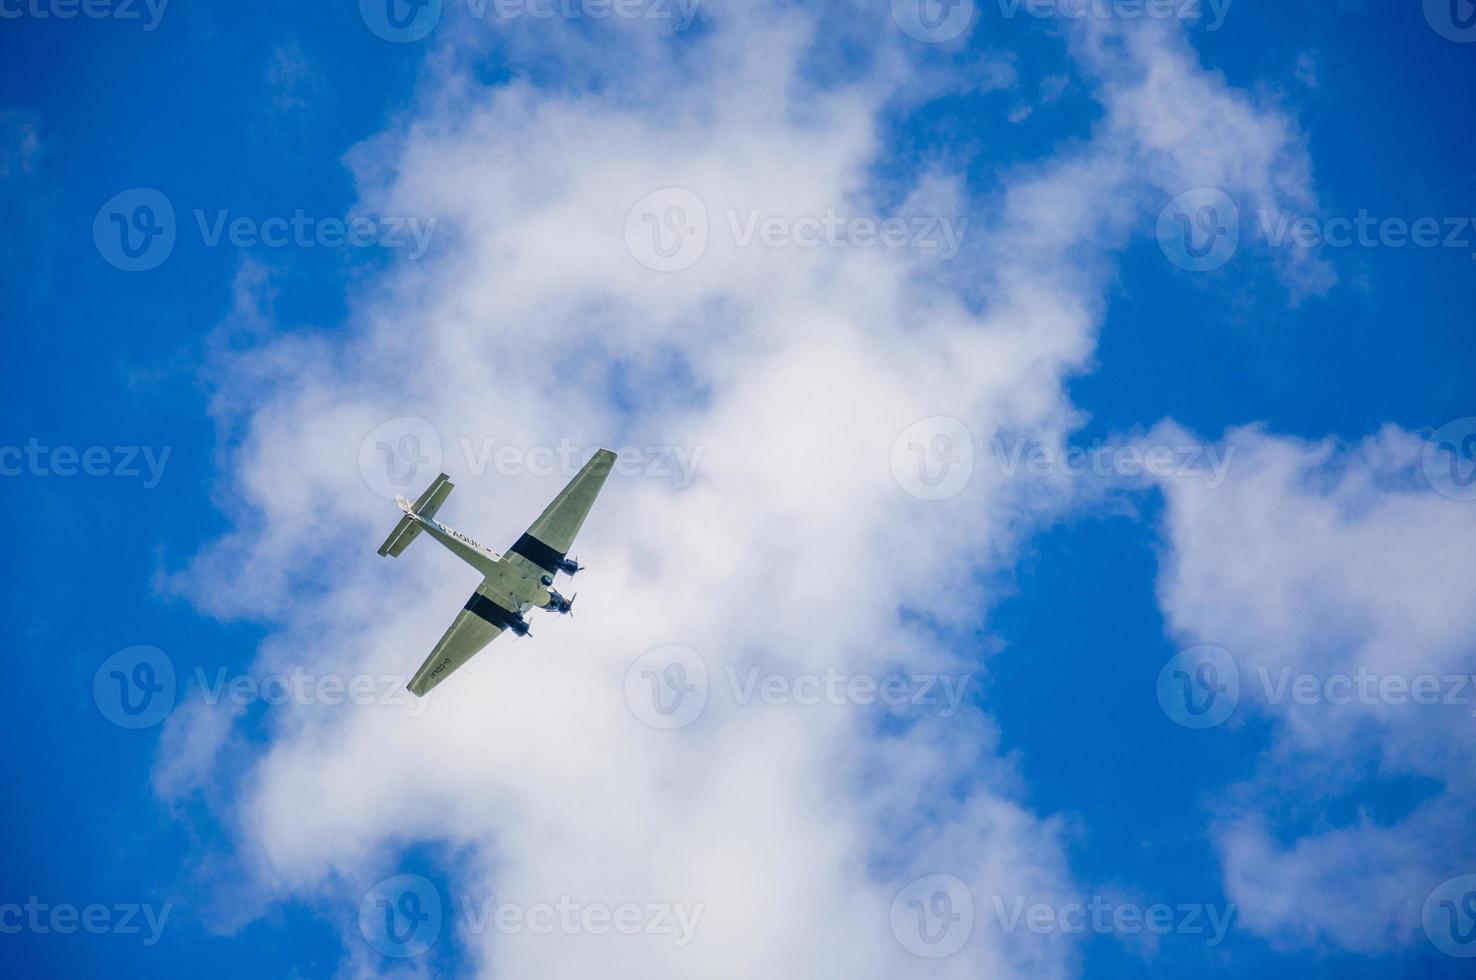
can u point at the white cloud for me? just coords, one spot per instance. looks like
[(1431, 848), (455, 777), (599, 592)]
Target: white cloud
[(294, 84), (20, 142), (1196, 132), (1335, 562), (1306, 69), (794, 370)]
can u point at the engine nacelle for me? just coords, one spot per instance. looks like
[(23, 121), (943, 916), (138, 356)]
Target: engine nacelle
[(557, 603), (570, 566)]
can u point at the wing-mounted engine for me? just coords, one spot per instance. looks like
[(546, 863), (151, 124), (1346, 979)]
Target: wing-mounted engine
[(558, 604), (570, 566)]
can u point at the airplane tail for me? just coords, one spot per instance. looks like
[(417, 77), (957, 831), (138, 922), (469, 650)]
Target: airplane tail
[(426, 505)]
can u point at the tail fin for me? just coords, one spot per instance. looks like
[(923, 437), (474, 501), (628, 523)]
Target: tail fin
[(408, 529)]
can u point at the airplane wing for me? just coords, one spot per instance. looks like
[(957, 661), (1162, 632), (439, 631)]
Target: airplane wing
[(480, 622), (546, 543)]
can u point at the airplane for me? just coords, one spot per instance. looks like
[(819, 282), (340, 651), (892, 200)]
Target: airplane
[(512, 583)]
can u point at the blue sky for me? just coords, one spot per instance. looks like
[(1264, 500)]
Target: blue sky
[(1059, 601)]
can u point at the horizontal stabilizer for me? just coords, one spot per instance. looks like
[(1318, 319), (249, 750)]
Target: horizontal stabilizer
[(435, 495), (405, 532), (408, 529)]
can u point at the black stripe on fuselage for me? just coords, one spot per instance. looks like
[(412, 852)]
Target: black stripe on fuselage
[(538, 553), (485, 608)]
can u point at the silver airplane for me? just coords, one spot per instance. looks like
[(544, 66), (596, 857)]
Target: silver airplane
[(512, 583)]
